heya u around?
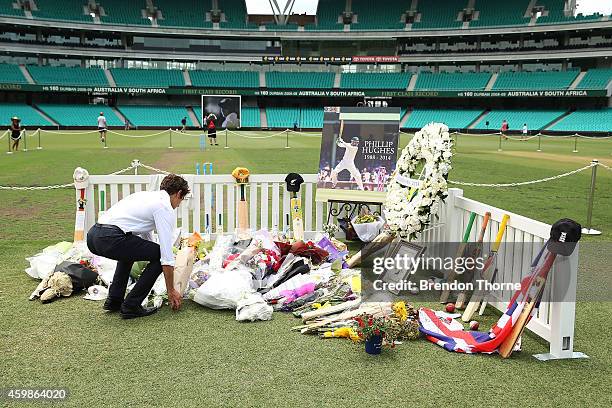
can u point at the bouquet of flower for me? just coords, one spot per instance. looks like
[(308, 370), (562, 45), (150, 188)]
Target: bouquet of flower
[(371, 327), (330, 230)]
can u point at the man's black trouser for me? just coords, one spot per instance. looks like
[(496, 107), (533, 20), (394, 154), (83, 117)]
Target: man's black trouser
[(111, 242)]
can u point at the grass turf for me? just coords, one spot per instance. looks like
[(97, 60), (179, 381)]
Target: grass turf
[(200, 357)]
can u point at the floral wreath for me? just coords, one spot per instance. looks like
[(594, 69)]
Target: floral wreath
[(408, 217)]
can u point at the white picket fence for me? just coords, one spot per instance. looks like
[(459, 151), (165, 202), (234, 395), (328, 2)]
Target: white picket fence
[(213, 202)]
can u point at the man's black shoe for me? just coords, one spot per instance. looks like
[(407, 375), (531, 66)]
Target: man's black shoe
[(112, 305), (138, 311)]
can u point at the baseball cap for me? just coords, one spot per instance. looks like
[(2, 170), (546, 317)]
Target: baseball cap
[(293, 181), (564, 235)]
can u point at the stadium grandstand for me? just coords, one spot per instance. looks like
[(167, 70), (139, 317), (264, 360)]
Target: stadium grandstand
[(468, 63)]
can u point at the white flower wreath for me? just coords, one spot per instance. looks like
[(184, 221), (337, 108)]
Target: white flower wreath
[(406, 218)]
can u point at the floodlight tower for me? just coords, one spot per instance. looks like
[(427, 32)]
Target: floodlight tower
[(281, 17)]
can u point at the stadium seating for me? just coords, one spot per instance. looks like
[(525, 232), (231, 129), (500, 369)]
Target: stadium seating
[(235, 15), (453, 118), (300, 80), (6, 9), (48, 75), (154, 115), (500, 13), (594, 120), (123, 12), (282, 117), (184, 13), (278, 27), (378, 14), (596, 79), (80, 115), (556, 14), (11, 74), (363, 80), (229, 79), (151, 78), (535, 80), (328, 12), (535, 119), (311, 118), (71, 10), (28, 115), (250, 117), (452, 81), (439, 14)]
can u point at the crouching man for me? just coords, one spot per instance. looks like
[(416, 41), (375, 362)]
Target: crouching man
[(123, 233)]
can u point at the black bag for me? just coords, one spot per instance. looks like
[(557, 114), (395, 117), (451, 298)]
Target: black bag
[(82, 277)]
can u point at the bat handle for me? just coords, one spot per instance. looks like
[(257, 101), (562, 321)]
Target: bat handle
[(500, 233), (466, 236), (485, 222)]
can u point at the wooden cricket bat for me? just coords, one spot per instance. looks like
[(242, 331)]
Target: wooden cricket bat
[(487, 272), (452, 274), (79, 222), (461, 298), (243, 211), (534, 295), (296, 217)]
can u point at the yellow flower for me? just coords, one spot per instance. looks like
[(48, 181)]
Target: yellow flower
[(399, 308)]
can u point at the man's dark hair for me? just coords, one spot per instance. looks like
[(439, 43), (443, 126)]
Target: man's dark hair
[(173, 183)]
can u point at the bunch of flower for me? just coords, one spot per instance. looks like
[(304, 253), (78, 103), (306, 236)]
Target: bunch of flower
[(330, 230), (365, 219), (408, 215), (369, 326)]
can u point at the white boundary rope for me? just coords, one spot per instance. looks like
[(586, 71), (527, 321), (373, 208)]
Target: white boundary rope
[(284, 132), (138, 136), (58, 132)]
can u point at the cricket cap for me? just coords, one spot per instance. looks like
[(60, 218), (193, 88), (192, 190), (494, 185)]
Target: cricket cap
[(564, 235), (293, 181), (15, 118)]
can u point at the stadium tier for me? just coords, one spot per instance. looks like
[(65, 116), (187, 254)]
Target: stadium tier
[(28, 115), (231, 79), (282, 117), (155, 116), (11, 74), (557, 15), (535, 80), (452, 81), (535, 119), (71, 10), (49, 75), (500, 13), (328, 13), (378, 15), (362, 80), (80, 115), (235, 14), (596, 79), (307, 80), (593, 120), (123, 12), (439, 14), (250, 117), (151, 78), (184, 13), (453, 118)]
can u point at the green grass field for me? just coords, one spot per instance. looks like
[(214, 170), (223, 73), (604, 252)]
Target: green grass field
[(199, 357)]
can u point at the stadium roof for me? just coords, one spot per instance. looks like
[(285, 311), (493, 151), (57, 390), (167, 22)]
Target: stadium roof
[(308, 7)]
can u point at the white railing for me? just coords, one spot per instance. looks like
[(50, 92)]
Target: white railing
[(213, 202)]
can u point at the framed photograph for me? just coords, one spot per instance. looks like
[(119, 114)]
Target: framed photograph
[(401, 249)]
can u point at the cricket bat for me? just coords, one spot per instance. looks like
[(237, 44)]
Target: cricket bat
[(487, 273), (79, 223), (241, 175), (452, 274), (296, 217), (534, 295), (460, 303)]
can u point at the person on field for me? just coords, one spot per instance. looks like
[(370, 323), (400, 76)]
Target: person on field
[(524, 132), (102, 127), (212, 129), (183, 124), (504, 128), (123, 233), (16, 132)]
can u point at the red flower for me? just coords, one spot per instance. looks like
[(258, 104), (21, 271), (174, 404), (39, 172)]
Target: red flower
[(377, 332), (370, 320)]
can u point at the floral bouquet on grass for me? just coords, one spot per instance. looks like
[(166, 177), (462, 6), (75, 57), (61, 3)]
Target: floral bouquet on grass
[(373, 330)]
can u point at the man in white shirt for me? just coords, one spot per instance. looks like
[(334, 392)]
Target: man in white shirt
[(348, 161), (123, 233), (102, 126)]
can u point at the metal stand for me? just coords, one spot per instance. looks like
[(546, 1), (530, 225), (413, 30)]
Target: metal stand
[(548, 356), (226, 146), (589, 230), (25, 141), (499, 149), (350, 207), (8, 139), (287, 137), (170, 147), (575, 143), (539, 142)]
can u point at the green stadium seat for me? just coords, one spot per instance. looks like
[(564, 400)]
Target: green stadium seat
[(225, 79), (123, 12), (311, 118), (379, 14), (535, 80), (300, 80), (76, 76), (71, 10), (328, 12), (427, 81), (184, 13), (282, 117), (439, 14), (250, 117), (556, 14), (598, 78), (6, 9), (80, 115), (28, 115), (535, 119), (366, 80), (11, 74), (156, 116), (148, 78), (235, 15), (500, 13), (592, 120), (276, 27), (453, 118)]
